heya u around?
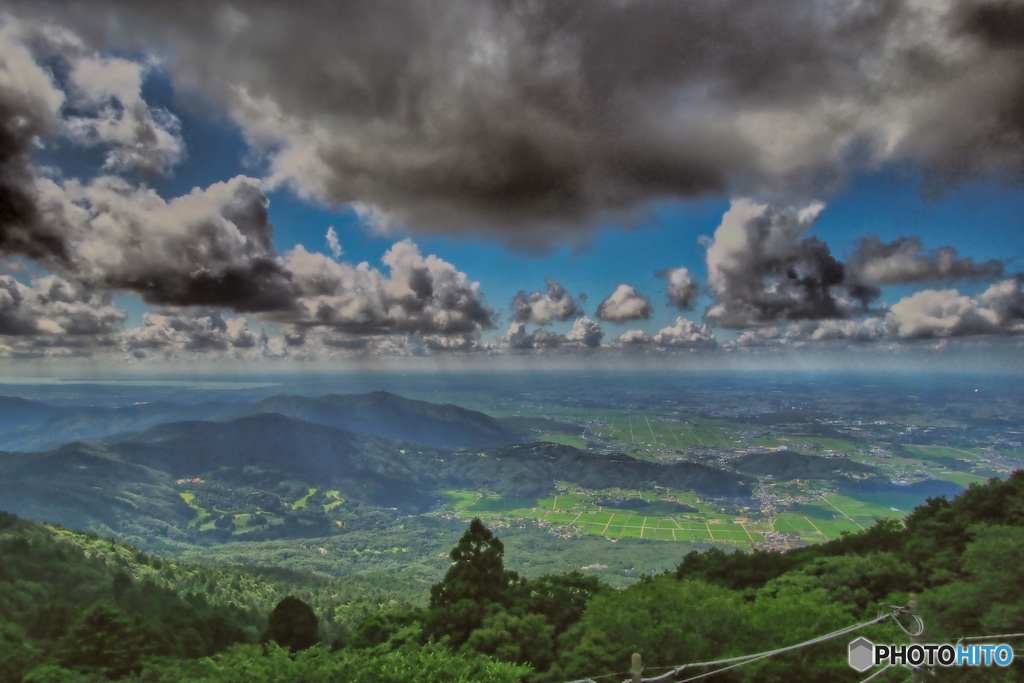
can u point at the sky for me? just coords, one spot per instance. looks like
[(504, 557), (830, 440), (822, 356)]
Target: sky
[(483, 184)]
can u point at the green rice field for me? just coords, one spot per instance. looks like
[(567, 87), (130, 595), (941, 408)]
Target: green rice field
[(577, 513)]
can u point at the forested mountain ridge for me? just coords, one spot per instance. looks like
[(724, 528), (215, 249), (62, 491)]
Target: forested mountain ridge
[(274, 441), (33, 426), (86, 486), (29, 425), (785, 465), (245, 449), (382, 413), (175, 479), (529, 469)]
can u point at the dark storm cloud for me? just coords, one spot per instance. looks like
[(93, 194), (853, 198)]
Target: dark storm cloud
[(543, 307), (29, 109), (20, 230), (213, 248), (14, 319), (1000, 27), (905, 260), (762, 269), (533, 120), (208, 248)]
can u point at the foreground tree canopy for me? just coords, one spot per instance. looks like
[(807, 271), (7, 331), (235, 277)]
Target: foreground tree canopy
[(293, 625)]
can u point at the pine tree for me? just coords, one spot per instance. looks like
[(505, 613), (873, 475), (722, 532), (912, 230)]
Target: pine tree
[(105, 641), (476, 581)]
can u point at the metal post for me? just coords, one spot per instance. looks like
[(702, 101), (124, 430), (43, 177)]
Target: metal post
[(916, 675), (636, 668)]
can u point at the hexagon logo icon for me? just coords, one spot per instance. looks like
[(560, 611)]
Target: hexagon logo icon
[(862, 654)]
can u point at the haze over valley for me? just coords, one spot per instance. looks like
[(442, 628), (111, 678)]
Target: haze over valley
[(725, 460)]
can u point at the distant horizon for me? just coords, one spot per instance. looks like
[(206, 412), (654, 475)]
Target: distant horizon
[(244, 375), (996, 361), (465, 387)]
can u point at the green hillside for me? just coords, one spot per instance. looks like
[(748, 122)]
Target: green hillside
[(53, 580), (787, 465)]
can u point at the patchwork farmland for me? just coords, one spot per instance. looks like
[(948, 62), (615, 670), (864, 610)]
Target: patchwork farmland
[(670, 516)]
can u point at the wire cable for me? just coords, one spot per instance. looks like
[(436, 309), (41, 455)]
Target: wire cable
[(747, 659), (920, 625), (1004, 635), (724, 668), (771, 653)]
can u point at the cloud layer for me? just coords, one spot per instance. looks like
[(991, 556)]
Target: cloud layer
[(948, 313), (764, 268), (198, 331), (534, 120), (30, 105), (530, 122), (210, 248), (585, 333), (685, 334), (928, 314), (55, 307)]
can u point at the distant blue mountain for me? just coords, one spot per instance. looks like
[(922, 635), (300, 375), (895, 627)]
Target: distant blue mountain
[(32, 426)]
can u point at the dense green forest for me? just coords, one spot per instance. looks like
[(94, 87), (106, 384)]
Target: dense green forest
[(78, 608), (54, 581)]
